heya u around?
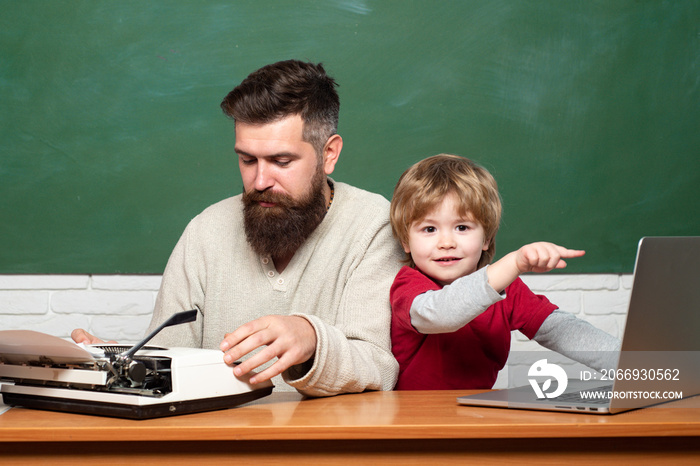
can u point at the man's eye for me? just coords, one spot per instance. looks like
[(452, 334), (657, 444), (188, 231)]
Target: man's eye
[(282, 163), (247, 161)]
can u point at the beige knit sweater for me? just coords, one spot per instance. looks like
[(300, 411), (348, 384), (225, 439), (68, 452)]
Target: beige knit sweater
[(338, 280)]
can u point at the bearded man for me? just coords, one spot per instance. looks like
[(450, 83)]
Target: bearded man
[(292, 276)]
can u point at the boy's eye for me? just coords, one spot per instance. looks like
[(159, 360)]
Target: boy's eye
[(429, 229), (462, 228)]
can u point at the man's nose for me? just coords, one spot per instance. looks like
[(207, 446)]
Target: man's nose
[(263, 178)]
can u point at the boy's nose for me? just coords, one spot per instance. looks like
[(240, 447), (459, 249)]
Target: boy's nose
[(446, 241)]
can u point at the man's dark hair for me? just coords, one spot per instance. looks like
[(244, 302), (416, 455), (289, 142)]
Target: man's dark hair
[(286, 88)]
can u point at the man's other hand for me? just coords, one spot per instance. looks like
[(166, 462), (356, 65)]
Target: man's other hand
[(290, 339)]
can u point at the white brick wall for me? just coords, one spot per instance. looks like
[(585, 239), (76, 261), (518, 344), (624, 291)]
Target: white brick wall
[(114, 307), (119, 307)]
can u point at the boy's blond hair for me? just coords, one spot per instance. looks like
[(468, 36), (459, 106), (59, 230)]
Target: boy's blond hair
[(425, 184)]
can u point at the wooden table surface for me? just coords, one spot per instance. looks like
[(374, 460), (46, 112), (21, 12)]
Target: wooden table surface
[(414, 426)]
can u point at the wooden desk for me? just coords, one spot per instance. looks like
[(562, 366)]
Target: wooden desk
[(397, 427)]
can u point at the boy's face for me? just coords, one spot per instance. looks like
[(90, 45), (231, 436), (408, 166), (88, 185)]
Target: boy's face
[(444, 245)]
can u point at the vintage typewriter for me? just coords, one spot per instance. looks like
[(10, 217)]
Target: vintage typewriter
[(138, 382)]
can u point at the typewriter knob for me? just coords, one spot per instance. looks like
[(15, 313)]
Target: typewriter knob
[(137, 372)]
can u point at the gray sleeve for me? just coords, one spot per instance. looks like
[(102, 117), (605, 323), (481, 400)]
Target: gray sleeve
[(578, 340), (454, 306)]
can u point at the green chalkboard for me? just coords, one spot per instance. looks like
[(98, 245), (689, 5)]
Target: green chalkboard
[(587, 113)]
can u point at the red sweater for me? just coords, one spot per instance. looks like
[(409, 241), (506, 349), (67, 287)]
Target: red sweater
[(469, 358)]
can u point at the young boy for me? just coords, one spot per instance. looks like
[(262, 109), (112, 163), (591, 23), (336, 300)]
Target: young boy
[(452, 312)]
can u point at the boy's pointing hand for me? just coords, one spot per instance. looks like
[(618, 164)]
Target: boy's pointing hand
[(543, 257)]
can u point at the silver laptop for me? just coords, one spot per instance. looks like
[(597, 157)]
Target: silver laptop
[(660, 356)]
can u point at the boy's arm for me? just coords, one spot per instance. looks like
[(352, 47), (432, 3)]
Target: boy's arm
[(578, 340), (454, 306), (457, 304), (535, 257)]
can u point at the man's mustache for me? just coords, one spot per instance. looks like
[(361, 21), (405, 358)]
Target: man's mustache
[(279, 199)]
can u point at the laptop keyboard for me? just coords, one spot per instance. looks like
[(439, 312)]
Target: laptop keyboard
[(575, 397)]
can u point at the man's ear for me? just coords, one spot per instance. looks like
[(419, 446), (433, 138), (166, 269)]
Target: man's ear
[(331, 152)]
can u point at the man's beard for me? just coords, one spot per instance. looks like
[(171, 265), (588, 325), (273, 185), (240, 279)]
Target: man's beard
[(280, 230)]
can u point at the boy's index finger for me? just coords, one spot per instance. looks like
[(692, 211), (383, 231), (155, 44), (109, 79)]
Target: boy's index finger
[(572, 252)]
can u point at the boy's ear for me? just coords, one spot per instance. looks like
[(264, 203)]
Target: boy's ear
[(487, 243), (406, 249)]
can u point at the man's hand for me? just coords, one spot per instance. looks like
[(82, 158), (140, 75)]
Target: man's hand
[(290, 339), (81, 336)]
